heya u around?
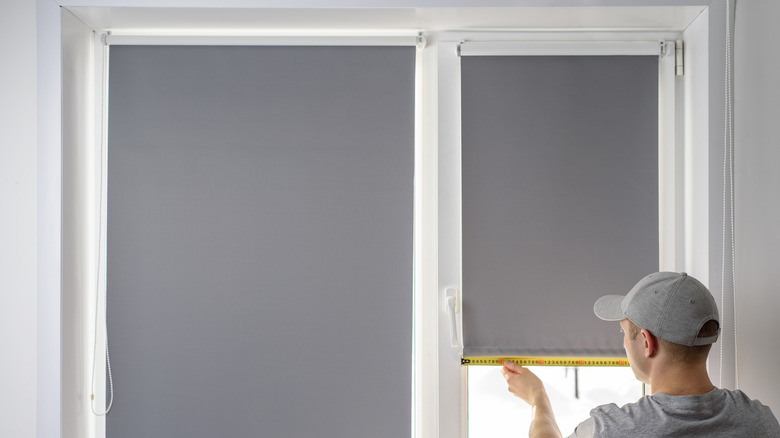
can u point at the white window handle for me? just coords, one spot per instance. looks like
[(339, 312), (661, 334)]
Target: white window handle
[(451, 303)]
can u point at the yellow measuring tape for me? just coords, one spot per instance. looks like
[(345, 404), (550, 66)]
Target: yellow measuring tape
[(548, 361)]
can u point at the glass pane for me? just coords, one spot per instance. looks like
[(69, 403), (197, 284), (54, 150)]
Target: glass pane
[(494, 411)]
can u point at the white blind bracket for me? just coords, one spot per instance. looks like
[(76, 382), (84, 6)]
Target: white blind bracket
[(679, 57)]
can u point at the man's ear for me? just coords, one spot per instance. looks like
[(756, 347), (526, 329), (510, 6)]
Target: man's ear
[(650, 343)]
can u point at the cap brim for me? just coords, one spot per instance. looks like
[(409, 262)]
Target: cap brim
[(608, 308)]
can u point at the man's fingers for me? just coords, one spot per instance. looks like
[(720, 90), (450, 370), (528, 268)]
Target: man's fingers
[(506, 373), (511, 366)]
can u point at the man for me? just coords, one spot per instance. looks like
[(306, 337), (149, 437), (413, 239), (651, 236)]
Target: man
[(669, 321)]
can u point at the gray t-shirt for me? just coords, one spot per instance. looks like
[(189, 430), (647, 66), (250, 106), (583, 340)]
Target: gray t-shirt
[(718, 413)]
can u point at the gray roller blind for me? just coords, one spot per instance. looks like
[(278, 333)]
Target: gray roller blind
[(560, 198), (260, 241)]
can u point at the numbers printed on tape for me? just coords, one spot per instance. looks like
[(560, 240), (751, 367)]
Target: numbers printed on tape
[(548, 361)]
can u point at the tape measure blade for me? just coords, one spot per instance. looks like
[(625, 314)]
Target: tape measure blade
[(547, 361)]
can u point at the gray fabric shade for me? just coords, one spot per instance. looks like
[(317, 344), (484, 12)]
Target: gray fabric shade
[(260, 241), (560, 198)]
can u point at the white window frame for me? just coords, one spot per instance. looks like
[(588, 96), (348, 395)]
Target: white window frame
[(680, 244), (439, 398)]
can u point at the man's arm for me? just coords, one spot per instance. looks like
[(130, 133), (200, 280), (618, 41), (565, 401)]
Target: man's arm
[(524, 384)]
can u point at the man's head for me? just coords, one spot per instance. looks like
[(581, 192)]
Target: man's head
[(674, 308)]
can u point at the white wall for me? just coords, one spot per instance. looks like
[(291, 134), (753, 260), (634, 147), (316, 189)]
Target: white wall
[(78, 225), (18, 219), (48, 219), (758, 208), (757, 148)]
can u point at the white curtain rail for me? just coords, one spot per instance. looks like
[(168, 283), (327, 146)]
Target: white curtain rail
[(560, 48)]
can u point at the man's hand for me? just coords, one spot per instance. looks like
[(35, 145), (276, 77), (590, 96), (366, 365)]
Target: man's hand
[(524, 384)]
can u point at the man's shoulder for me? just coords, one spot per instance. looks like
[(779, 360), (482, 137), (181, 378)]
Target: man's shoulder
[(705, 404), (662, 413), (605, 420), (626, 413), (752, 407), (739, 397), (608, 419)]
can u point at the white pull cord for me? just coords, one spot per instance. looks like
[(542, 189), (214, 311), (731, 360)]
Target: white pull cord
[(728, 169), (103, 143)]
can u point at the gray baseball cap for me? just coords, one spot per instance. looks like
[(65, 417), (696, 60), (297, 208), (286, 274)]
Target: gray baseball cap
[(672, 306)]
